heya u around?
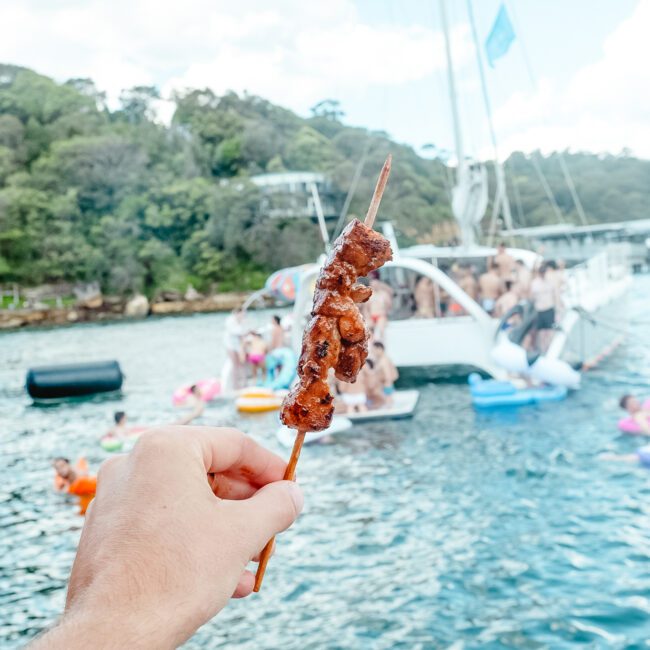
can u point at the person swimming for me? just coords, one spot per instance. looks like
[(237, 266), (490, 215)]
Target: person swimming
[(75, 480), (119, 428), (637, 412), (196, 403), (641, 455)]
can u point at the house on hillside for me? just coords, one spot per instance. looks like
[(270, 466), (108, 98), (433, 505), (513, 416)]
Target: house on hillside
[(298, 195)]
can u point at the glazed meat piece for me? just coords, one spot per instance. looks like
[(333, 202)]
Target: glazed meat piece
[(362, 247), (336, 275), (336, 336), (332, 303), (351, 359), (309, 407), (321, 344), (352, 328)]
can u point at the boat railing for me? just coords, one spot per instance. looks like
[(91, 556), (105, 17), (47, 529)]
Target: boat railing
[(595, 273)]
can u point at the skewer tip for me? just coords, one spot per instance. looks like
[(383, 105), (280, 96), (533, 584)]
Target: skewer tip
[(379, 191)]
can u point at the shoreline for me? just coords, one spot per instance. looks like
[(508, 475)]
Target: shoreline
[(112, 309)]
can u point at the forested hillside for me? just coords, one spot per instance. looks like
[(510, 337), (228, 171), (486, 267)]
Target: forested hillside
[(88, 193)]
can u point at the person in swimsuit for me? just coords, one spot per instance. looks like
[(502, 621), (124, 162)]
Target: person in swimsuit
[(543, 294), (386, 370), (489, 285), (522, 279), (277, 334), (424, 297), (118, 430), (353, 396), (195, 401), (75, 480), (640, 415), (65, 474), (504, 262), (506, 301), (641, 456), (379, 306), (374, 386), (256, 354)]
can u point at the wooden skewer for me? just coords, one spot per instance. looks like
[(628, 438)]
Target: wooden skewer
[(289, 475), (379, 191), (290, 472)]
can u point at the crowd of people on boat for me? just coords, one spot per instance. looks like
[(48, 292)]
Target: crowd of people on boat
[(503, 284)]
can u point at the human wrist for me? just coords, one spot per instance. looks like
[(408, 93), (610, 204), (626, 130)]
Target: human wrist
[(107, 627)]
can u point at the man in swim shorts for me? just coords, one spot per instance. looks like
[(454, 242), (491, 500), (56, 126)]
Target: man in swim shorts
[(136, 593), (376, 398), (640, 415), (385, 369), (489, 285)]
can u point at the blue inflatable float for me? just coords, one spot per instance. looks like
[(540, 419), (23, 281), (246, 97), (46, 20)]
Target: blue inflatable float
[(490, 393), (281, 368)]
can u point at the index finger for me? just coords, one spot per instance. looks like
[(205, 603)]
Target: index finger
[(230, 451)]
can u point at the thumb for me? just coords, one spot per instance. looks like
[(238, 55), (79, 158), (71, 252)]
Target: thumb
[(271, 510)]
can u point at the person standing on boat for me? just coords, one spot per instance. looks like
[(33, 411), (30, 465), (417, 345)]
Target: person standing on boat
[(506, 301), (232, 340), (277, 333), (555, 275), (489, 285), (504, 262), (468, 283), (379, 306), (523, 279), (425, 299), (544, 296)]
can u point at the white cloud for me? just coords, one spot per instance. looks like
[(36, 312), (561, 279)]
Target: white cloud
[(604, 107), (293, 52)]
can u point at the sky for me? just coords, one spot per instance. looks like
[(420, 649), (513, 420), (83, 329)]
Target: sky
[(586, 88)]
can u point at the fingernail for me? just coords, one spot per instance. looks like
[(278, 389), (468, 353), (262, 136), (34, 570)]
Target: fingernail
[(296, 495)]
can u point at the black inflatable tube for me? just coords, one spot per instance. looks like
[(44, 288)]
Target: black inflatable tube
[(74, 380)]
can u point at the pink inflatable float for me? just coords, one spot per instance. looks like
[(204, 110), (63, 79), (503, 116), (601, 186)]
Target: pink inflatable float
[(208, 389), (630, 425)]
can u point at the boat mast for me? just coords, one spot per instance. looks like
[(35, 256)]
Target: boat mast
[(501, 202), (462, 164), (469, 195)]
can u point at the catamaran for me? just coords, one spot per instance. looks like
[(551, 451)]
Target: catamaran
[(593, 295)]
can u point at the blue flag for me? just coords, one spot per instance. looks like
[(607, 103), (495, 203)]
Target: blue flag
[(500, 38)]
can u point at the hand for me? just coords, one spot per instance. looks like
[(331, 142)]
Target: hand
[(168, 537)]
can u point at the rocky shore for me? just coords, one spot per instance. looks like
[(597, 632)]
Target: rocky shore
[(108, 308)]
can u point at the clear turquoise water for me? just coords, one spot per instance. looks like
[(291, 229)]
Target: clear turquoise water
[(453, 530)]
